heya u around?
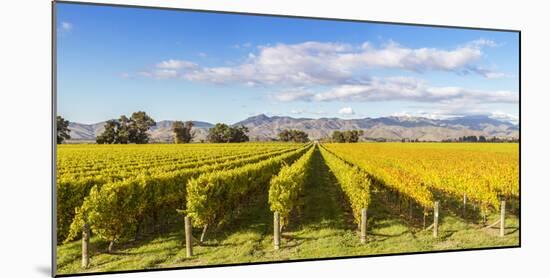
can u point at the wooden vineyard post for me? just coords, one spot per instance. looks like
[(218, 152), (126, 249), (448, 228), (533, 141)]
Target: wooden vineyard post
[(203, 233), (188, 237), (276, 230), (502, 217), (436, 217), (85, 245), (363, 225), (424, 219), (483, 209)]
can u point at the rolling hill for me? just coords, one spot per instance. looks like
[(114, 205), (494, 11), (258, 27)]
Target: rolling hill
[(263, 127)]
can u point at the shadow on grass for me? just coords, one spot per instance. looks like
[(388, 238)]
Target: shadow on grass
[(101, 247), (253, 217), (379, 237), (325, 205), (386, 210), (444, 235), (509, 232)]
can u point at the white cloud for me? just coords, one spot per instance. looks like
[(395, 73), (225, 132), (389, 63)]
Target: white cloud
[(160, 73), (346, 111), (487, 73), (66, 26), (326, 71), (434, 115), (293, 95), (244, 45), (394, 55), (169, 69), (463, 107), (493, 75), (329, 63), (308, 112), (401, 89), (452, 112), (176, 64), (300, 64), (481, 43), (498, 115)]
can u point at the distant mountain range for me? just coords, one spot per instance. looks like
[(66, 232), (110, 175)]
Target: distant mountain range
[(263, 127), (161, 132)]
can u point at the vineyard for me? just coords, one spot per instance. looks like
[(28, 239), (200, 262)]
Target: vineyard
[(123, 206)]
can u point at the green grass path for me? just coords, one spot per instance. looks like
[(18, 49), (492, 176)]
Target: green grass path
[(322, 227)]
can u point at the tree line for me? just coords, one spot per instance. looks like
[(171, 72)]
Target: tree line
[(134, 129), (126, 130), (222, 133), (299, 136), (482, 139), (63, 131), (348, 136), (293, 135)]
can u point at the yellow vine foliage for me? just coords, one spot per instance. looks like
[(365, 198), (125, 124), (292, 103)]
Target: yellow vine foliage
[(163, 170), (288, 184), (354, 182), (482, 171)]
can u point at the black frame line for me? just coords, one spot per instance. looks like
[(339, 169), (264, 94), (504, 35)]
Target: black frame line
[(54, 140), (54, 136), (288, 261), (284, 16)]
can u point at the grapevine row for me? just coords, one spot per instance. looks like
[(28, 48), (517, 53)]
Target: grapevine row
[(354, 182), (385, 172), (480, 172), (71, 192), (215, 196), (115, 210), (286, 187)]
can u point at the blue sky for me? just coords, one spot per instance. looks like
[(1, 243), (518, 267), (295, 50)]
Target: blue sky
[(179, 65)]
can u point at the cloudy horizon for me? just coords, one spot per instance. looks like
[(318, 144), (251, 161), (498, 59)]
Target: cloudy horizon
[(183, 65)]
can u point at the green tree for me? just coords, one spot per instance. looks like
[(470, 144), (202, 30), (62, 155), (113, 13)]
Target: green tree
[(188, 134), (110, 134), (234, 134), (222, 133), (217, 134), (124, 131), (352, 136), (177, 129), (238, 134), (63, 131), (338, 136), (348, 136), (293, 135), (182, 132), (284, 135), (299, 136), (140, 123), (127, 130)]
